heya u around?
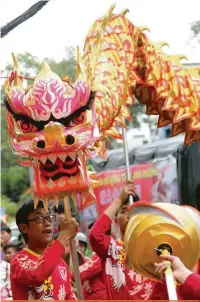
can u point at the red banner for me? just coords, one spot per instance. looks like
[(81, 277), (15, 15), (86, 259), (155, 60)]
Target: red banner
[(110, 183)]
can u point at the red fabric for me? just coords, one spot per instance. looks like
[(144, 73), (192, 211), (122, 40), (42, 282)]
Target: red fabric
[(92, 278), (191, 287), (41, 277), (190, 290), (122, 283)]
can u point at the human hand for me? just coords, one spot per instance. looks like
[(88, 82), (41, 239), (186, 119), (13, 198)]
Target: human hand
[(129, 189), (180, 272), (68, 230)]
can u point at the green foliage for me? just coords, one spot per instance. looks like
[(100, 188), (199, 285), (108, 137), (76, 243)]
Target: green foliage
[(10, 207), (195, 27), (15, 181), (30, 65)]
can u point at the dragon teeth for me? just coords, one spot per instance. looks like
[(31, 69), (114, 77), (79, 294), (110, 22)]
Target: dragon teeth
[(80, 162), (52, 158), (62, 156), (80, 154), (43, 159), (50, 183), (82, 172), (72, 155), (61, 183), (35, 162)]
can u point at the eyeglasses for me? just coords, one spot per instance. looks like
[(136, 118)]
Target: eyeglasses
[(41, 219)]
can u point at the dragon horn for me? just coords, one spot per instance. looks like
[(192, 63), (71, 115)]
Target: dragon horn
[(125, 11), (178, 58), (17, 80), (108, 15), (78, 68), (143, 28)]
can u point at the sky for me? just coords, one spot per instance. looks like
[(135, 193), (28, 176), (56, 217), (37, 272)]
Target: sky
[(66, 22)]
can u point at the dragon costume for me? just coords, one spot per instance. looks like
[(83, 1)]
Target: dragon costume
[(56, 124)]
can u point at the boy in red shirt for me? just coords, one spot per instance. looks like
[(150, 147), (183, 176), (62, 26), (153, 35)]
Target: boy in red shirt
[(122, 283), (92, 278), (38, 272)]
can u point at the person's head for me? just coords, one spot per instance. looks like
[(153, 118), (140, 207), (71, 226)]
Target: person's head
[(122, 217), (5, 234), (81, 243), (60, 212), (10, 250), (36, 225)]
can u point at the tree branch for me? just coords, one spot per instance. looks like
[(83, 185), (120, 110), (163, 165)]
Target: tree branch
[(22, 18)]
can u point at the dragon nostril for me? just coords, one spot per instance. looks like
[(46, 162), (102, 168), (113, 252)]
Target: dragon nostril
[(41, 144), (70, 140)]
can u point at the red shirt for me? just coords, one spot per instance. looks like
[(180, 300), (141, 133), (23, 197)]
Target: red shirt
[(190, 290), (122, 283), (92, 278), (46, 277)]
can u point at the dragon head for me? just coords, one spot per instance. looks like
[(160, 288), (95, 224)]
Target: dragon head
[(53, 124)]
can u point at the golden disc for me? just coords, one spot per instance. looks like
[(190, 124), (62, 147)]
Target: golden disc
[(155, 224)]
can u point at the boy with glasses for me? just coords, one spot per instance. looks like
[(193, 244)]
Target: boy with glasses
[(38, 271)]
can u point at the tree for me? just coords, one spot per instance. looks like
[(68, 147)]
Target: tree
[(195, 28), (10, 207), (22, 18), (15, 181)]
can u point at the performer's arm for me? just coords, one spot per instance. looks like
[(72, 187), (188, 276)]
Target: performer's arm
[(33, 272), (91, 268), (191, 287), (189, 280), (29, 272), (98, 238)]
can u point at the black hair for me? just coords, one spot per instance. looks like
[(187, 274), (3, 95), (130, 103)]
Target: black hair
[(91, 225), (10, 245), (126, 203), (197, 195), (79, 256), (5, 228), (108, 232), (23, 212), (60, 209)]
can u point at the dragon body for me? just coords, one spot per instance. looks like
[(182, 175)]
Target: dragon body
[(56, 124)]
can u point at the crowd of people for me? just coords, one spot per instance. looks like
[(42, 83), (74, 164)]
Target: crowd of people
[(38, 266)]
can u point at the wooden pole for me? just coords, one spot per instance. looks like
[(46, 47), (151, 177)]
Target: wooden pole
[(128, 174), (73, 252), (170, 282)]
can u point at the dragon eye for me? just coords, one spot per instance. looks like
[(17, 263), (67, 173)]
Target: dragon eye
[(79, 119), (26, 126)]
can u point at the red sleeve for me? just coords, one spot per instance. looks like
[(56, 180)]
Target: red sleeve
[(191, 287), (91, 268), (70, 294), (159, 292), (98, 239), (26, 271)]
